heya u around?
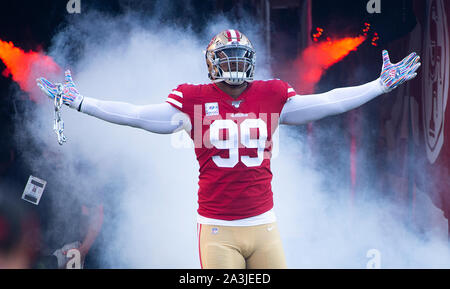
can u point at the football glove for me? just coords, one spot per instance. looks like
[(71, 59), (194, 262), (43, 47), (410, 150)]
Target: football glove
[(392, 75), (68, 91)]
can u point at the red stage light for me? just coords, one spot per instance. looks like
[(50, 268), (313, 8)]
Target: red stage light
[(24, 67)]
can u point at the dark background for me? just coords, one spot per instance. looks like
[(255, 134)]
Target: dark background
[(31, 25)]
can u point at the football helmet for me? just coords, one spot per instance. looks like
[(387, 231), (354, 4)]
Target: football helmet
[(230, 57)]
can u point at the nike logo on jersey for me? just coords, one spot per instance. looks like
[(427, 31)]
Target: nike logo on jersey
[(239, 115)]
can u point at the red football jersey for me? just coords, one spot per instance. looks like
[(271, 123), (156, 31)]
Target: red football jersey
[(233, 143)]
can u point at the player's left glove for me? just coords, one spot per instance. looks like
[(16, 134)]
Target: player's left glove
[(392, 75), (69, 92)]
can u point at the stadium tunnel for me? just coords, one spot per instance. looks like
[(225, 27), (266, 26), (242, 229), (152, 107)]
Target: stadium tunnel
[(407, 126)]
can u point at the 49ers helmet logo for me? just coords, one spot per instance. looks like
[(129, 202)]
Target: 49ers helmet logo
[(435, 78)]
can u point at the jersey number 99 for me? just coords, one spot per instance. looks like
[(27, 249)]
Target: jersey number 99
[(232, 142)]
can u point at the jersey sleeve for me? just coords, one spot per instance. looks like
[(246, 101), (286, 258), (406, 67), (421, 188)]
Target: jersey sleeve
[(176, 98), (289, 91)]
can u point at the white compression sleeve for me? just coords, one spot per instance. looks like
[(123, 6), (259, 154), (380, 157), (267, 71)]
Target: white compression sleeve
[(158, 118), (301, 109)]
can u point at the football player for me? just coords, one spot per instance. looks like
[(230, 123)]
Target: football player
[(231, 122)]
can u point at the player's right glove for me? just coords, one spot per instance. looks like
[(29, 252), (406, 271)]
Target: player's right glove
[(68, 91)]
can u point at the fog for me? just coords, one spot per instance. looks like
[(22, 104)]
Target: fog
[(150, 188)]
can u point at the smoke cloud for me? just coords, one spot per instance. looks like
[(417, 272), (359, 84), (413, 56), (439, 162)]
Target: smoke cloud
[(150, 188)]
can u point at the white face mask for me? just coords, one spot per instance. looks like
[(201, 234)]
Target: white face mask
[(234, 78), (232, 64)]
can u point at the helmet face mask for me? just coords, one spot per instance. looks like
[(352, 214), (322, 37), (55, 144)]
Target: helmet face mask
[(230, 59)]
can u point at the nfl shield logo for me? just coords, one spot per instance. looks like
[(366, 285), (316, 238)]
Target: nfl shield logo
[(236, 103)]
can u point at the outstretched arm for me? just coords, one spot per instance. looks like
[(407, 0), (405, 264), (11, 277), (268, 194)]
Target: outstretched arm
[(301, 109), (157, 118)]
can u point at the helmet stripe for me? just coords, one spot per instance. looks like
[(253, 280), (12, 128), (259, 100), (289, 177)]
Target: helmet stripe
[(229, 35), (238, 35), (233, 34)]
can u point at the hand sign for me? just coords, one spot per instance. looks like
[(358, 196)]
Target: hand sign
[(392, 75), (70, 94)]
